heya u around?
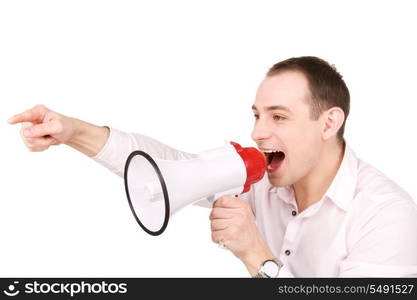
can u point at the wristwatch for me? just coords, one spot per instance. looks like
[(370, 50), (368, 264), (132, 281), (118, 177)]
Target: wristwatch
[(269, 269)]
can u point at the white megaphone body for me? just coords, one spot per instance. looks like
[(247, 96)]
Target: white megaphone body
[(157, 188)]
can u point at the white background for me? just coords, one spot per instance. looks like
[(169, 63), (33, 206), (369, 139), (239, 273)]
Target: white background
[(183, 72)]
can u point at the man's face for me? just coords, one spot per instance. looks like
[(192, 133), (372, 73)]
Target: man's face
[(283, 123)]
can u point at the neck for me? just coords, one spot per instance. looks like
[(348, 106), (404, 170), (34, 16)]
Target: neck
[(311, 188)]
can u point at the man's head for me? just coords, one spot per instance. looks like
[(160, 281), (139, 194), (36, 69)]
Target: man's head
[(300, 110)]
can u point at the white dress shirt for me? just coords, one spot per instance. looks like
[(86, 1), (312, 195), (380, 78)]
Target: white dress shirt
[(365, 225)]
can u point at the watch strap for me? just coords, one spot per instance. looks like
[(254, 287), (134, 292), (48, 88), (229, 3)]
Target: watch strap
[(261, 274)]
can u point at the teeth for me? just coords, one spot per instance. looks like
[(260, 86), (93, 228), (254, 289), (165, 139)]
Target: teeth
[(268, 151)]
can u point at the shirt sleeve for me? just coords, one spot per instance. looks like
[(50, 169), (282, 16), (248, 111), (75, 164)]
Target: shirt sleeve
[(285, 272), (120, 144), (384, 244)]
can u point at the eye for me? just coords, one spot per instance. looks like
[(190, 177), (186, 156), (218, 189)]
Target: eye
[(278, 118), (256, 116)]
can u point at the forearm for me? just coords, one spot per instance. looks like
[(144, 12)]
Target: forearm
[(88, 138)]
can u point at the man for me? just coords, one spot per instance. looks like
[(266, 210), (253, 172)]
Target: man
[(319, 211)]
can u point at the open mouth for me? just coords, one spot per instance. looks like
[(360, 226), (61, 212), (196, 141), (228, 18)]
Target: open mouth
[(274, 160)]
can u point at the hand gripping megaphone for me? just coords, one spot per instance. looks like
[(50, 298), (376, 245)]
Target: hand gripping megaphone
[(157, 188)]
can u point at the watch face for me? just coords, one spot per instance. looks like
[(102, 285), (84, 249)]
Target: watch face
[(270, 268)]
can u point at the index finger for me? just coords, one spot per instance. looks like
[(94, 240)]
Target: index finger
[(31, 115), (228, 201)]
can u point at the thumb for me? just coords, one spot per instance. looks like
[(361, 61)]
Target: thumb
[(41, 130), (26, 125)]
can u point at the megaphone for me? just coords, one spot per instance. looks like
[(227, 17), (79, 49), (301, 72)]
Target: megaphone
[(157, 188)]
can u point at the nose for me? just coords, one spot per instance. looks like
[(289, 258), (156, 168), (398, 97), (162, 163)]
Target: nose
[(260, 131)]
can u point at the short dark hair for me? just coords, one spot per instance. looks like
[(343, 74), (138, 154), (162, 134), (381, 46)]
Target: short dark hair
[(326, 84)]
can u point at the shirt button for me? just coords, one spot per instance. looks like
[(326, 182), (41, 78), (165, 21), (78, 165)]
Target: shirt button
[(294, 213), (287, 252)]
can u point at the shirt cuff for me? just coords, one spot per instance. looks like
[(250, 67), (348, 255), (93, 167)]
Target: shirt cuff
[(102, 153), (111, 156)]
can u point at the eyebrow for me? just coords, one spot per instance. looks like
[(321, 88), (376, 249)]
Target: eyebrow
[(274, 107)]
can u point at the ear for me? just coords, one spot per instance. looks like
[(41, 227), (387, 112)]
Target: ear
[(333, 119)]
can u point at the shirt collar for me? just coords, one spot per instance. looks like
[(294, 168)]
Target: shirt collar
[(286, 193), (342, 188)]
